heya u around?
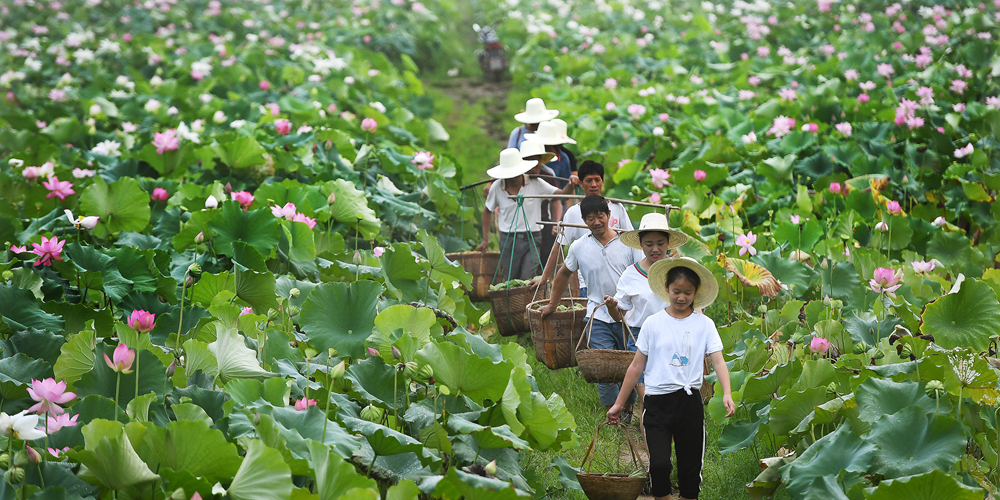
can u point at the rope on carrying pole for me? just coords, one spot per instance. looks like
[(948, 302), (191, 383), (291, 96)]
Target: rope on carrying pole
[(533, 176), (665, 208), (536, 257)]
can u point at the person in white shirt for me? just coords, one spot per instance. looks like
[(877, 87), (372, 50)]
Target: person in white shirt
[(591, 177), (520, 233), (601, 258), (533, 114), (634, 301), (670, 353)]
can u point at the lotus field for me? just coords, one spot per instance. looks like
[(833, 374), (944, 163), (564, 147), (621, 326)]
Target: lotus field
[(225, 228)]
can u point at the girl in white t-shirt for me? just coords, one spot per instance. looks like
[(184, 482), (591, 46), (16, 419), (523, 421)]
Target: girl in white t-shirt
[(670, 351)]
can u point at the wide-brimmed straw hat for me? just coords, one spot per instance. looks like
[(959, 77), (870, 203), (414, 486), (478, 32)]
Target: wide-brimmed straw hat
[(511, 165), (654, 221), (707, 290), (531, 149), (535, 112), (551, 133)]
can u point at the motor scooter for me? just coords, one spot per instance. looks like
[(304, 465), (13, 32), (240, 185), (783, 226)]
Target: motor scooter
[(492, 57)]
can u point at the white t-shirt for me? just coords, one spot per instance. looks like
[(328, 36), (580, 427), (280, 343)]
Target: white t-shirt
[(602, 266), (619, 219), (498, 197), (636, 298), (676, 349)]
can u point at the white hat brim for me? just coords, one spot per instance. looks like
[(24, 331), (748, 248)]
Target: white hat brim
[(631, 238), (511, 171), (707, 291), (548, 140), (526, 117)]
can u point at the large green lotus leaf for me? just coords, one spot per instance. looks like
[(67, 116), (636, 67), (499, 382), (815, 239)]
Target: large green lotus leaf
[(109, 456), (236, 360), (262, 476), (193, 446), (121, 205), (210, 286), (246, 391), (787, 412), (487, 437), (964, 373), (777, 169), (865, 327), (516, 393), (298, 427), (20, 311), (404, 490), (828, 456), (301, 244), (373, 381), (547, 422), (186, 481), (932, 485), (200, 357), (763, 388), (466, 373), (840, 280), (60, 482), (456, 485), (270, 434), (799, 236), (341, 316), (815, 373), (914, 440), (385, 441), (253, 283), (38, 344), (442, 269), (414, 322), (334, 475), (351, 208), (737, 436), (401, 271), (257, 228), (239, 152), (102, 380), (26, 279), (881, 396), (963, 319)]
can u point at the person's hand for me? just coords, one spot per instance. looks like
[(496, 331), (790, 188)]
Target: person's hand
[(548, 309), (534, 282), (611, 302), (575, 180), (483, 246), (555, 230), (613, 413), (727, 401)]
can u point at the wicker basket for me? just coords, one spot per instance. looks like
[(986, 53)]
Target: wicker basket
[(509, 307), (482, 266), (599, 366), (611, 486), (556, 336)]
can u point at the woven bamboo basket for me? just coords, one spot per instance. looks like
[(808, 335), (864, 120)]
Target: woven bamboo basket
[(482, 266), (611, 486), (599, 366), (509, 308), (555, 337)]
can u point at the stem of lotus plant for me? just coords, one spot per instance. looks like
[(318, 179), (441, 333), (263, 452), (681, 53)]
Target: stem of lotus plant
[(46, 442), (395, 397), (307, 382), (326, 412), (136, 369), (180, 322), (937, 404), (118, 384), (371, 466)]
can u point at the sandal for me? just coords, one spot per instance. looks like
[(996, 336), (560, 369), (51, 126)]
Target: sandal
[(626, 417)]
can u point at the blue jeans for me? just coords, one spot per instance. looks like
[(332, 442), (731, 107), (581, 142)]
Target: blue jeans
[(609, 336), (583, 292)]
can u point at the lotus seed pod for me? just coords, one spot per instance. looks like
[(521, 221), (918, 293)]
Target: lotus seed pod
[(906, 351), (15, 476), (5, 460), (797, 338), (194, 269), (272, 314), (8, 275), (372, 413), (425, 372), (860, 347), (294, 293), (410, 369), (294, 310), (934, 388), (831, 388), (338, 370), (877, 354), (309, 353)]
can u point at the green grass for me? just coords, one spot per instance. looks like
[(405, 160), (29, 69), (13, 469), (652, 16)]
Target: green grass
[(724, 475)]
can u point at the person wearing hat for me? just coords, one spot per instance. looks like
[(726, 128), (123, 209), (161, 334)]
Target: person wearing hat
[(601, 258), (670, 350), (520, 233), (534, 113), (553, 135), (534, 150)]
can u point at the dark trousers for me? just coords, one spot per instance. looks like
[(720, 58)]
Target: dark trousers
[(677, 418), (525, 262)]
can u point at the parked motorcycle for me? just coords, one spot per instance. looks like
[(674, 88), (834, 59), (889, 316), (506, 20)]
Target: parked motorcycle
[(492, 57)]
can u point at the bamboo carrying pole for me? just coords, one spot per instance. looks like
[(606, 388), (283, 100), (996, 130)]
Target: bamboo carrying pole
[(539, 176), (581, 226), (580, 197)]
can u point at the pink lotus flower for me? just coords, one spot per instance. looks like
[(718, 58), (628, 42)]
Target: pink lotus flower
[(940, 221), (282, 126), (819, 345), (921, 266), (636, 110), (835, 187), (745, 242), (160, 195), (48, 251), (60, 421), (369, 125), (58, 188), (851, 75), (699, 175), (893, 207), (142, 321), (810, 127), (654, 198), (753, 80), (795, 219), (788, 94), (610, 106), (166, 141), (886, 281), (782, 126), (664, 117), (863, 98), (885, 70), (49, 394), (211, 202), (423, 160), (660, 177), (31, 173), (882, 226), (273, 108), (19, 249), (285, 212), (245, 198), (960, 107), (265, 85), (963, 152), (958, 86), (57, 453), (121, 360), (610, 83), (844, 128), (867, 86), (378, 251), (246, 310), (304, 404), (298, 217)]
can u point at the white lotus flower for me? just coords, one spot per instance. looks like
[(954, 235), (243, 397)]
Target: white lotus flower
[(82, 222), (107, 148), (20, 426), (212, 202)]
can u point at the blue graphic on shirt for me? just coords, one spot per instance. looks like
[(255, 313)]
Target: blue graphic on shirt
[(682, 359)]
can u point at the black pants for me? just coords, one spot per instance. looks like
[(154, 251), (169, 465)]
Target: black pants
[(678, 418)]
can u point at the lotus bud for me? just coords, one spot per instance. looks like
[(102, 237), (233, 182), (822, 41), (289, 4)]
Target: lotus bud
[(5, 460), (272, 314), (8, 275), (877, 353), (860, 347), (212, 202), (332, 198), (934, 388), (189, 281), (372, 413), (256, 418), (294, 310), (425, 372), (395, 353), (491, 467), (338, 370), (194, 269), (372, 352), (171, 368), (294, 293), (228, 188), (33, 456), (199, 238), (357, 257), (15, 476), (410, 369)]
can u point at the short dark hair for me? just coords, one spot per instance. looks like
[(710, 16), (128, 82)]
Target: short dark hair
[(593, 204), (590, 167), (685, 273), (642, 234)]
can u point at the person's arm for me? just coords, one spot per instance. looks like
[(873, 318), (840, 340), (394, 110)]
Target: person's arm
[(512, 140), (550, 265), (631, 378), (616, 313), (487, 222), (558, 288), (722, 372), (555, 213)]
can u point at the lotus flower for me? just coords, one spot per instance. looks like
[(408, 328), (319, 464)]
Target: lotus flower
[(265, 85), (244, 198), (159, 195), (819, 345), (655, 198), (893, 207), (940, 221), (285, 212), (746, 241), (166, 141), (373, 352), (60, 421), (304, 404), (781, 127), (48, 250), (49, 394), (142, 321), (749, 138), (58, 188), (963, 152), (19, 249), (282, 126), (58, 453), (835, 187), (882, 226), (21, 426), (121, 360), (378, 251), (699, 175), (212, 202), (246, 310), (423, 160), (369, 125), (886, 281), (844, 128), (82, 222), (298, 217), (921, 266), (863, 98), (660, 177)]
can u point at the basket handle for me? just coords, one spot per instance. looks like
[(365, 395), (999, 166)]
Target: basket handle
[(589, 328), (631, 448), (629, 330)]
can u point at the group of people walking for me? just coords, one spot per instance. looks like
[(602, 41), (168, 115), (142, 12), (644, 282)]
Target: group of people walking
[(639, 297)]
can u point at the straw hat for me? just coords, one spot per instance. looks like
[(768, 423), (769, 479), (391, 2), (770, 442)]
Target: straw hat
[(535, 112), (705, 294), (654, 221), (535, 148), (550, 133), (511, 165), (563, 131)]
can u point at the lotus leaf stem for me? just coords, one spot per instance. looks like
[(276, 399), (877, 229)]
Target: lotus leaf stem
[(118, 384), (180, 321), (326, 412)]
